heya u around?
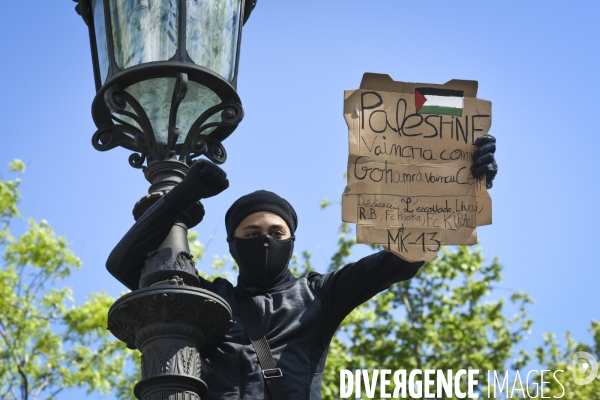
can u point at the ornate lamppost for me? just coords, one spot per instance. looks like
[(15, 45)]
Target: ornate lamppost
[(165, 73)]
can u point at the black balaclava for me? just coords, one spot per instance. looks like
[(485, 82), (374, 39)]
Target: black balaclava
[(263, 260)]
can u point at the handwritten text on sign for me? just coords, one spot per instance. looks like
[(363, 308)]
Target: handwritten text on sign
[(410, 186)]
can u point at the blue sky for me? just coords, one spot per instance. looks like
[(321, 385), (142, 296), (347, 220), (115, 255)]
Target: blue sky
[(536, 61)]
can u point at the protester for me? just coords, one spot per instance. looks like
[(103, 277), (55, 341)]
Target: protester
[(297, 316)]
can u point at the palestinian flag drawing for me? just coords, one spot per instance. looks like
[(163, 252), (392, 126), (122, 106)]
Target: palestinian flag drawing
[(439, 101)]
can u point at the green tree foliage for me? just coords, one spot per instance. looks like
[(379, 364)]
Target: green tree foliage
[(47, 342), (441, 319), (444, 318), (554, 358)]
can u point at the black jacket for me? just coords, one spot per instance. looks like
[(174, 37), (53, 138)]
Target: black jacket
[(299, 319)]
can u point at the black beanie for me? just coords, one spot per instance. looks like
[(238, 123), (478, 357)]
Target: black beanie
[(261, 200)]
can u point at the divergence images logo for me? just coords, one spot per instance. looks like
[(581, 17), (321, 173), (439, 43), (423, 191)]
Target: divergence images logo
[(581, 368)]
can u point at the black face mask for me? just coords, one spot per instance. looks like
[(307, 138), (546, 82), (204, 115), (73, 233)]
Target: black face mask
[(263, 259)]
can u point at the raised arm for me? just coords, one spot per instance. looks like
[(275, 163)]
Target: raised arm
[(125, 262), (343, 290)]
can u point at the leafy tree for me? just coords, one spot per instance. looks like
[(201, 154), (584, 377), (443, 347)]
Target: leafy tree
[(552, 357), (437, 320), (441, 319), (553, 377), (47, 342)]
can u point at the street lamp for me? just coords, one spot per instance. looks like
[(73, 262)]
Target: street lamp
[(165, 73)]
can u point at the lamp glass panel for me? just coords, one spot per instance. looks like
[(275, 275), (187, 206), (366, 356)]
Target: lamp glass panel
[(154, 95), (100, 31), (212, 34), (198, 99), (143, 30)]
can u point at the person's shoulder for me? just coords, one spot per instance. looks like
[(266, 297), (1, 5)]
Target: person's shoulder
[(315, 280), (312, 276), (217, 285), (221, 282)]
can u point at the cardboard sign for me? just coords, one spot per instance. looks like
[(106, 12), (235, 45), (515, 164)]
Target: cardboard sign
[(410, 186)]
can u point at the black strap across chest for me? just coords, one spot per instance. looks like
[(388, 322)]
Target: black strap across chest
[(272, 375)]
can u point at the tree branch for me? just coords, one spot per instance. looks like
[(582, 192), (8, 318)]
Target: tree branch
[(42, 386), (9, 389), (406, 303), (25, 384), (57, 391)]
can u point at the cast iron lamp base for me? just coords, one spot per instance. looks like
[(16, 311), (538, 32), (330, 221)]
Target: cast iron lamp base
[(169, 324), (169, 319)]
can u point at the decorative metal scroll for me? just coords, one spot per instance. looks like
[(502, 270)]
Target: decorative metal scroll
[(141, 138)]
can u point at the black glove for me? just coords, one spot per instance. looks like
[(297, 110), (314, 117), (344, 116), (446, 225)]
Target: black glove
[(484, 162), (203, 180)]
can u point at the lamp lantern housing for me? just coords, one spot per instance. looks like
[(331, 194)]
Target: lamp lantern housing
[(165, 73)]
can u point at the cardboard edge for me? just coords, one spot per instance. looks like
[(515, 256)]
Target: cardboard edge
[(384, 83)]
